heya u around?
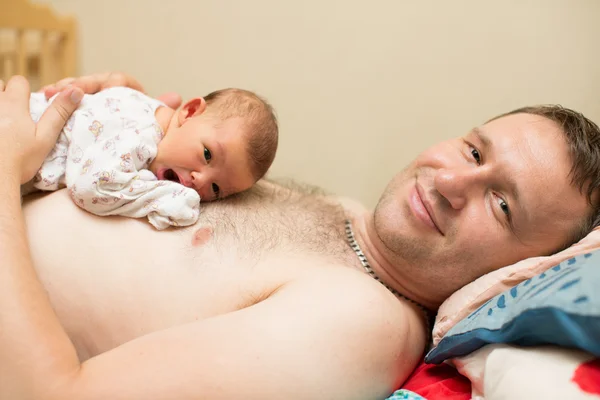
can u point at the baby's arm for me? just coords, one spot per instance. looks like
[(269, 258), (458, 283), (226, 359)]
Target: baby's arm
[(105, 181)]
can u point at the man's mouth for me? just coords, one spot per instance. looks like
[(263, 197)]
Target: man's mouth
[(422, 208), (171, 175)]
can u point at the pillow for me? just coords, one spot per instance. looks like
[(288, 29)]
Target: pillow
[(438, 382), (466, 300), (500, 371), (403, 394), (560, 306)]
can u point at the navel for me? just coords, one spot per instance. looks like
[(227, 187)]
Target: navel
[(202, 236)]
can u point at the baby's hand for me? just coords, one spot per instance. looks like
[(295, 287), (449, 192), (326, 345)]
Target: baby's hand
[(180, 209)]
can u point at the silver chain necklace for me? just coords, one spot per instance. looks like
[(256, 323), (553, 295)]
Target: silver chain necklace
[(365, 263)]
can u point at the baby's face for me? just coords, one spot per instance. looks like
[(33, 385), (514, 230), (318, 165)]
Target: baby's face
[(207, 155)]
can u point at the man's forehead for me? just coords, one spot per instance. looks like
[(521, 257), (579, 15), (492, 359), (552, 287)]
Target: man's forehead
[(529, 141), (520, 124)]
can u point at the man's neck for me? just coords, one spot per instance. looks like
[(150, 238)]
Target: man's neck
[(389, 267)]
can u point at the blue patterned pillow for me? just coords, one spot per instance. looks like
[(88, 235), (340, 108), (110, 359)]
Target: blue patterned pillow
[(404, 394), (560, 306)]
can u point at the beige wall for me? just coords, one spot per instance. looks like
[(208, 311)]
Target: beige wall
[(360, 86)]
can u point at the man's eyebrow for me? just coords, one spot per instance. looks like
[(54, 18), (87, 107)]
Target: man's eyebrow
[(488, 144), (483, 138)]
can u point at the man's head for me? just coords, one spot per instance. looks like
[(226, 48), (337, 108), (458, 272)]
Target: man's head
[(523, 184), (220, 144)]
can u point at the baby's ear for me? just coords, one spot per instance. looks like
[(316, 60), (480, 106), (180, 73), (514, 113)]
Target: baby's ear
[(192, 108)]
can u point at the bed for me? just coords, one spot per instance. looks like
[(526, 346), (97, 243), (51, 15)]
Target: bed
[(36, 42), (528, 330), (41, 45)]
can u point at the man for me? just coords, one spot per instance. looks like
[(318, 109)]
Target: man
[(271, 295)]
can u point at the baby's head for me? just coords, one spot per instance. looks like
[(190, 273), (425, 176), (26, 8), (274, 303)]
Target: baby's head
[(220, 144)]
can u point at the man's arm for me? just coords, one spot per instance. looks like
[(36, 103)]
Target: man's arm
[(31, 338), (328, 336), (309, 340)]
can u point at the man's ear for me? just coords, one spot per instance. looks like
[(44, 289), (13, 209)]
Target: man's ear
[(192, 108)]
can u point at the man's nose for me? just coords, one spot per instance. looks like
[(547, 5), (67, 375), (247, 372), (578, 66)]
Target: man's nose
[(457, 184)]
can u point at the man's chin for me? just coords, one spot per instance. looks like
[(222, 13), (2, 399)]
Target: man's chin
[(394, 224), (388, 218)]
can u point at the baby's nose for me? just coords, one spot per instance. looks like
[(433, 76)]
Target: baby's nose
[(198, 180)]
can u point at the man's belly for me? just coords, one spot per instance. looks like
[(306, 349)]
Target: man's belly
[(111, 280)]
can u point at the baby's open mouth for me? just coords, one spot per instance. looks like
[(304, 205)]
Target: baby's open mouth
[(171, 175)]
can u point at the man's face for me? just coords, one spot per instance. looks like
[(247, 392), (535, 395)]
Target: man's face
[(473, 204)]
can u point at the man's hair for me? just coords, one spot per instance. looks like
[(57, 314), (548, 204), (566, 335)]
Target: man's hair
[(583, 139), (260, 123)]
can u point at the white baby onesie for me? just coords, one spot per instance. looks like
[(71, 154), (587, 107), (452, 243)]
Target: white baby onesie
[(102, 156)]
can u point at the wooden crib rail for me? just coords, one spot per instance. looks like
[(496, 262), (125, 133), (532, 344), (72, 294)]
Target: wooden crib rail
[(36, 43)]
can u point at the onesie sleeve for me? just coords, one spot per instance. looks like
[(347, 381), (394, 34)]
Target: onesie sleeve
[(110, 177)]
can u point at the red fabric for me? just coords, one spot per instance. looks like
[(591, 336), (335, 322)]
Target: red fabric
[(438, 382), (587, 376)]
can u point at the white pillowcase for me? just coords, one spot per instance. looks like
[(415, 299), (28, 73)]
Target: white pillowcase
[(502, 372), (468, 299)]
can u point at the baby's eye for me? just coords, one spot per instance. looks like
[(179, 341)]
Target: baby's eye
[(207, 154), (504, 207), (476, 155), (216, 189)]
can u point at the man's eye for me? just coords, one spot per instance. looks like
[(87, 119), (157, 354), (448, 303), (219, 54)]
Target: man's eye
[(476, 155), (207, 154), (216, 189), (504, 206)]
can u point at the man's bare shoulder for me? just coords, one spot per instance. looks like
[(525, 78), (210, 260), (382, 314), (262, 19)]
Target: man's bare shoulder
[(355, 291), (363, 315)]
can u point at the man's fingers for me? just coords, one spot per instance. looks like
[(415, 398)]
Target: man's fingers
[(1, 85), (63, 83), (56, 115), (122, 79), (171, 99), (17, 88), (17, 82), (50, 91), (94, 83), (89, 84)]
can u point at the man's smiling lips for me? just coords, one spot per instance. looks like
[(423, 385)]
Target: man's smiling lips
[(422, 209)]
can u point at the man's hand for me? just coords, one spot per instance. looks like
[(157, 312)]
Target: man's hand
[(23, 144), (26, 315), (94, 83)]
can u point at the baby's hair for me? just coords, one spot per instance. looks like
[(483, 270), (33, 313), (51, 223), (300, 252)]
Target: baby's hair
[(259, 120)]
